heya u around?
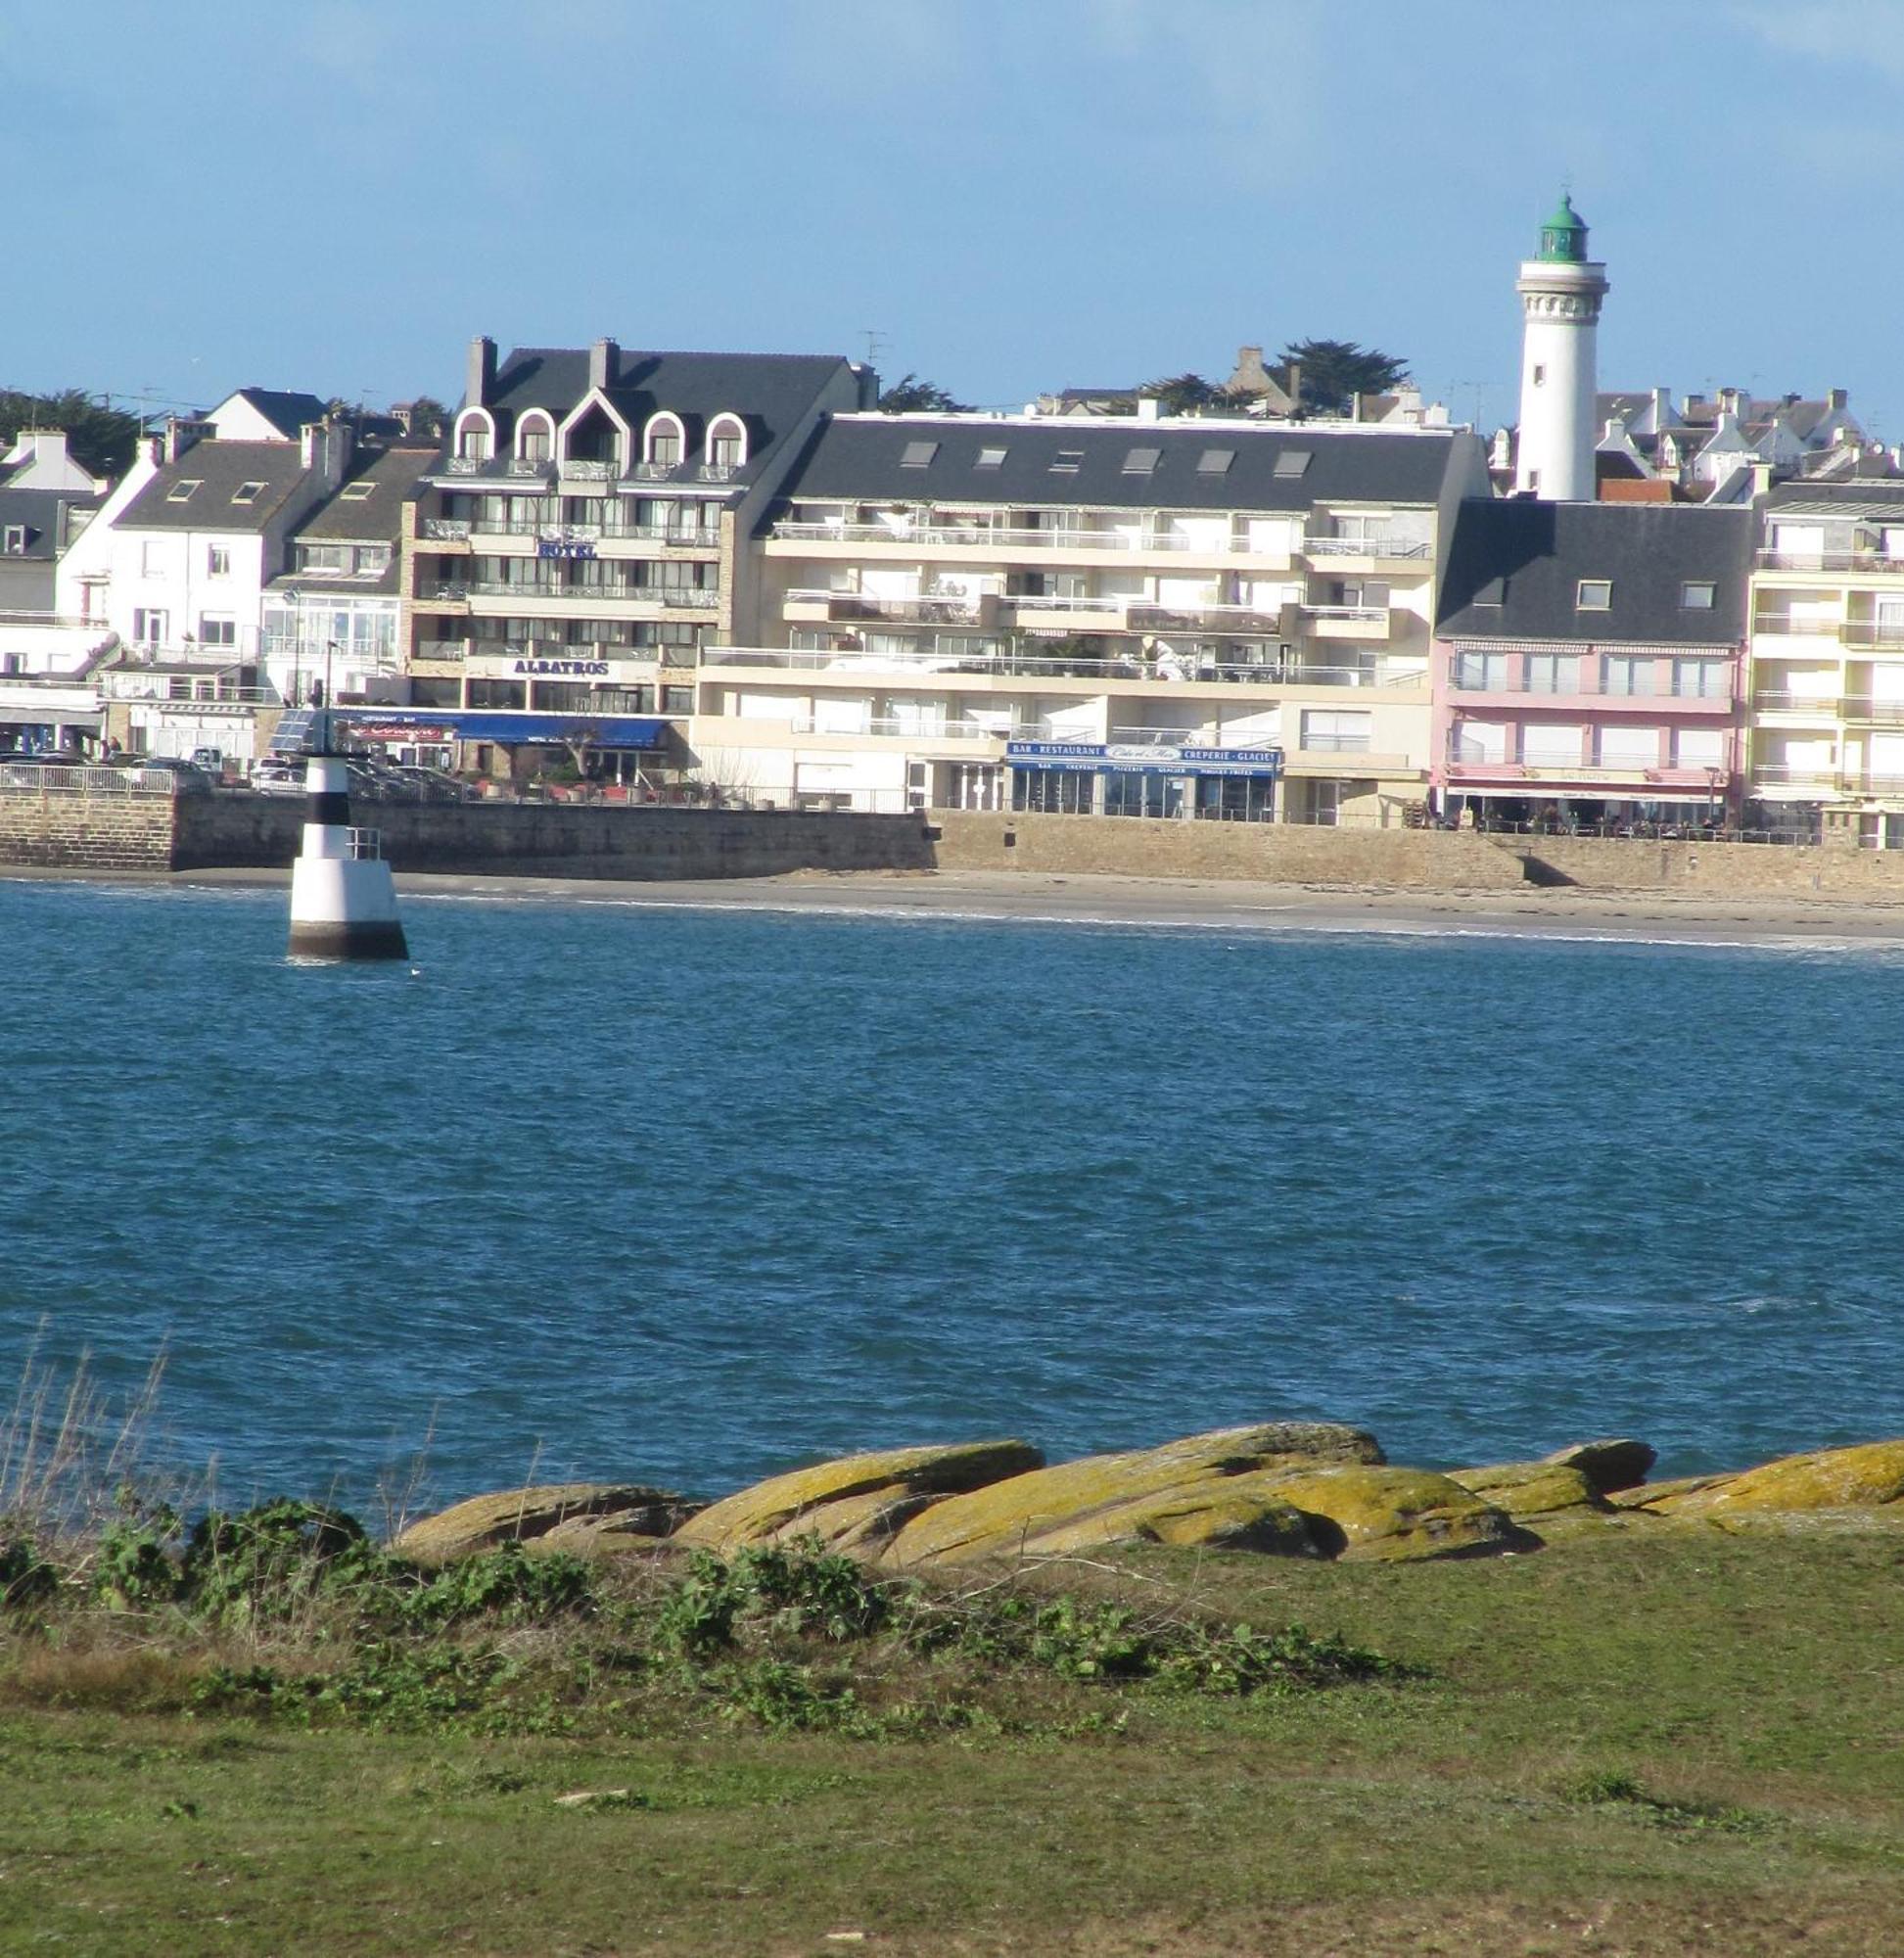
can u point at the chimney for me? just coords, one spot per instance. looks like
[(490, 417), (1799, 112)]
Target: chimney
[(479, 375), (1662, 409), (1836, 401), (867, 379), (1292, 386), (1147, 407), (1761, 479), (601, 362), (1731, 401), (1251, 376), (181, 432)]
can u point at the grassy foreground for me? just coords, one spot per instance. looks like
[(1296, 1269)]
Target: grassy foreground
[(1676, 1740)]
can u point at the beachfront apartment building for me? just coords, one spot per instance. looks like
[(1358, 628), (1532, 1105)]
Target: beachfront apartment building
[(1114, 616), (1589, 664), (1828, 660), (582, 541)]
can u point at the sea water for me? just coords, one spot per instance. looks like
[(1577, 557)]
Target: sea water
[(688, 1195)]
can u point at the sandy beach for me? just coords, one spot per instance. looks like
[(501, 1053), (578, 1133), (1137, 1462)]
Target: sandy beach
[(1184, 903)]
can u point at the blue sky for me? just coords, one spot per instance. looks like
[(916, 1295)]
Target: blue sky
[(1016, 195)]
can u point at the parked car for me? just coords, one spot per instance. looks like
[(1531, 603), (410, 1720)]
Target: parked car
[(278, 775)]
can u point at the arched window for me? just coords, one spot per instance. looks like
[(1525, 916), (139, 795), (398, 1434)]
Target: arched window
[(726, 443), (475, 435), (536, 436), (665, 441)]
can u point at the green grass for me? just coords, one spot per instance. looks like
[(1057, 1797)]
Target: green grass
[(1649, 1741)]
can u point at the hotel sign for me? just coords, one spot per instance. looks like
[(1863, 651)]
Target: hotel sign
[(563, 547), (563, 669)]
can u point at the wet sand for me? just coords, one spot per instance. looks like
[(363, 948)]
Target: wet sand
[(1192, 902)]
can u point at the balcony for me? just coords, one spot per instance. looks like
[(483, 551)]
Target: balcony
[(1367, 553), (589, 469), (1812, 706), (1003, 538), (1783, 625), (897, 727), (1022, 662), (1347, 622), (1869, 560), (445, 530), (857, 607), (1640, 692), (1150, 616)]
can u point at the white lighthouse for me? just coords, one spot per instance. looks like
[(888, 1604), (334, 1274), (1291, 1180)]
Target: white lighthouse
[(343, 900), (1560, 293)]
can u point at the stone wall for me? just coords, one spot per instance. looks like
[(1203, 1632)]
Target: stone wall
[(73, 829), (1424, 860), (1411, 860), (560, 839)]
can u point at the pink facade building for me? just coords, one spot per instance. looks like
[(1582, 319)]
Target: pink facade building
[(1589, 664)]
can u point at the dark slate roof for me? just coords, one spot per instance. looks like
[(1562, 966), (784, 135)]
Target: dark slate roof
[(1532, 557), (860, 457), (285, 410), (219, 468), (389, 475), (39, 511), (769, 391)]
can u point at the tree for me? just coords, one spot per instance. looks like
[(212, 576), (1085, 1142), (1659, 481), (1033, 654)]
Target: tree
[(427, 416), (1334, 371), (908, 394), (1185, 395), (99, 436)]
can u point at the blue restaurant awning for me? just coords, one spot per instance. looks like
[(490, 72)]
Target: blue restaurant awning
[(604, 730)]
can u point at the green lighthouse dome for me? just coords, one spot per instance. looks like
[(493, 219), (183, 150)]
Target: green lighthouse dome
[(1563, 237)]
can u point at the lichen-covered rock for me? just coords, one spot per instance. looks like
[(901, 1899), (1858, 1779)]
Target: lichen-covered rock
[(1607, 1466), (1870, 1477), (526, 1516), (1530, 1489), (1091, 1500), (1388, 1514), (856, 1500), (1230, 1512), (1658, 1498)]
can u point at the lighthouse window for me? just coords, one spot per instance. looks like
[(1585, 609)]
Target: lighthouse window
[(1596, 595), (1540, 377)]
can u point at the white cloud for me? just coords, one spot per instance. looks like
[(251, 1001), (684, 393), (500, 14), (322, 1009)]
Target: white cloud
[(1838, 33)]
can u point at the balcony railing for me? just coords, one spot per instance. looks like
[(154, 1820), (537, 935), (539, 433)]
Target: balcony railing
[(1013, 661), (1590, 687), (1150, 616), (933, 608), (1819, 706), (1336, 744), (903, 727), (1393, 549), (1784, 626), (446, 529), (675, 597), (590, 469), (1008, 537), (1780, 558)]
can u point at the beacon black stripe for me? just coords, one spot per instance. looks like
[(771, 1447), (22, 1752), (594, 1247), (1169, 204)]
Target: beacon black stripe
[(331, 808)]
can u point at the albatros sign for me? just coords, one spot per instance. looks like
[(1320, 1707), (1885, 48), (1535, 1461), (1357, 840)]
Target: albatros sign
[(1143, 758)]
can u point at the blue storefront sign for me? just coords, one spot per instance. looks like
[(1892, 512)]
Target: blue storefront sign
[(1133, 759)]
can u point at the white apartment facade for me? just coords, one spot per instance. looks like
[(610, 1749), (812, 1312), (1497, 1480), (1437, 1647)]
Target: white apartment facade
[(1828, 661), (1118, 616)]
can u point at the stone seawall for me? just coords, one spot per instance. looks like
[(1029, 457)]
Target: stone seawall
[(1407, 859), (560, 840), (68, 829)]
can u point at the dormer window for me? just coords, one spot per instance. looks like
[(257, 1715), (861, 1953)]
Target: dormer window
[(726, 443), (664, 442), (182, 493), (537, 445), (248, 492), (15, 543)]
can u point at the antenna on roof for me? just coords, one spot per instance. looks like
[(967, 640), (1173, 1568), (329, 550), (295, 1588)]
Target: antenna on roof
[(876, 338)]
